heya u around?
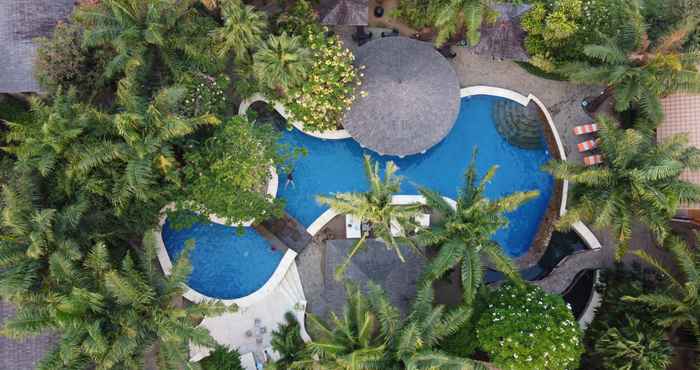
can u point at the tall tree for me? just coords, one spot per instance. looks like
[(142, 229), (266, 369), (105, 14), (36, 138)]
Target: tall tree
[(148, 36), (376, 208), (242, 31), (287, 341), (465, 233), (638, 180), (457, 15), (281, 62), (632, 347), (638, 72), (108, 315), (679, 305)]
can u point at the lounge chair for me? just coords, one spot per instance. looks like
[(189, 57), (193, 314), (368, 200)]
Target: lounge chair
[(353, 227), (586, 129), (248, 361), (592, 160), (587, 145)]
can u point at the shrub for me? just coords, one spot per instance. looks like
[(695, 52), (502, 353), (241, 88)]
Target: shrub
[(526, 328), (222, 359), (227, 175), (321, 101), (624, 322), (62, 61), (205, 94)]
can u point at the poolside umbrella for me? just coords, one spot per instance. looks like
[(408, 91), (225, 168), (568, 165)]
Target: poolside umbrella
[(412, 97), (344, 12)]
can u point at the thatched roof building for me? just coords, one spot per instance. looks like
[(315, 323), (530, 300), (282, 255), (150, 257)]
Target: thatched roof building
[(21, 21), (504, 39), (344, 12)]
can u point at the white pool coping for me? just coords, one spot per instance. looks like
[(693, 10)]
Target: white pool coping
[(595, 300), (279, 107), (330, 213)]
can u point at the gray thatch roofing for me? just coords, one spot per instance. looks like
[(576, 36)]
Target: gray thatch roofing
[(412, 97), (344, 12), (24, 354), (504, 38), (20, 22), (376, 263)]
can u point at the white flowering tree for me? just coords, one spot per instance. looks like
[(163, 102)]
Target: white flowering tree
[(526, 328)]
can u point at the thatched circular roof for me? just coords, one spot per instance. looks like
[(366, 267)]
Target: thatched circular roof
[(412, 97)]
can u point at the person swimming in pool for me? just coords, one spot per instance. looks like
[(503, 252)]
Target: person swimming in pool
[(290, 179)]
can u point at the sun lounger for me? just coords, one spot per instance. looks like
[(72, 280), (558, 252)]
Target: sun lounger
[(353, 229), (586, 129), (593, 160), (587, 145)]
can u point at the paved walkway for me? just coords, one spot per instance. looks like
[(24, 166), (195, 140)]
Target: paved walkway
[(559, 280)]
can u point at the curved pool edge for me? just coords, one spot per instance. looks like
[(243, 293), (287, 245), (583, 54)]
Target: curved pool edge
[(536, 251), (325, 135), (192, 295)]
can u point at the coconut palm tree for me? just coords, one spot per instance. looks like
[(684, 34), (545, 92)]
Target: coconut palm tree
[(638, 72), (632, 347), (242, 31), (147, 35), (281, 63), (415, 344), (287, 341), (465, 234), (108, 315), (456, 15), (357, 339), (376, 208), (678, 305), (370, 334), (638, 180)]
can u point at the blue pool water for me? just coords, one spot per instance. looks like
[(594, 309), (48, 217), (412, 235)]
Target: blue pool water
[(333, 166), (224, 264)]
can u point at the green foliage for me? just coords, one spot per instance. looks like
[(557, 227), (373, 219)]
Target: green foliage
[(13, 110), (236, 159), (526, 328), (619, 319), (62, 60), (557, 30), (154, 41), (676, 306), (321, 101), (205, 94), (465, 233), (638, 180), (640, 73), (287, 341), (281, 63), (371, 334), (242, 31), (375, 207), (221, 358)]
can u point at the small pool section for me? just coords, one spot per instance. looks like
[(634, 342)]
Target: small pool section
[(225, 265), (335, 166)]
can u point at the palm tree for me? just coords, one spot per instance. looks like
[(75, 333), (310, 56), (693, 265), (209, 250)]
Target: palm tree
[(639, 180), (632, 347), (415, 344), (463, 14), (109, 316), (357, 339), (678, 305), (147, 35), (242, 31), (465, 233), (281, 63), (376, 208), (638, 72), (371, 334), (287, 341)]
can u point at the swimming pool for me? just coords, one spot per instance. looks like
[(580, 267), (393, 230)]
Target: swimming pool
[(333, 166), (225, 265)]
